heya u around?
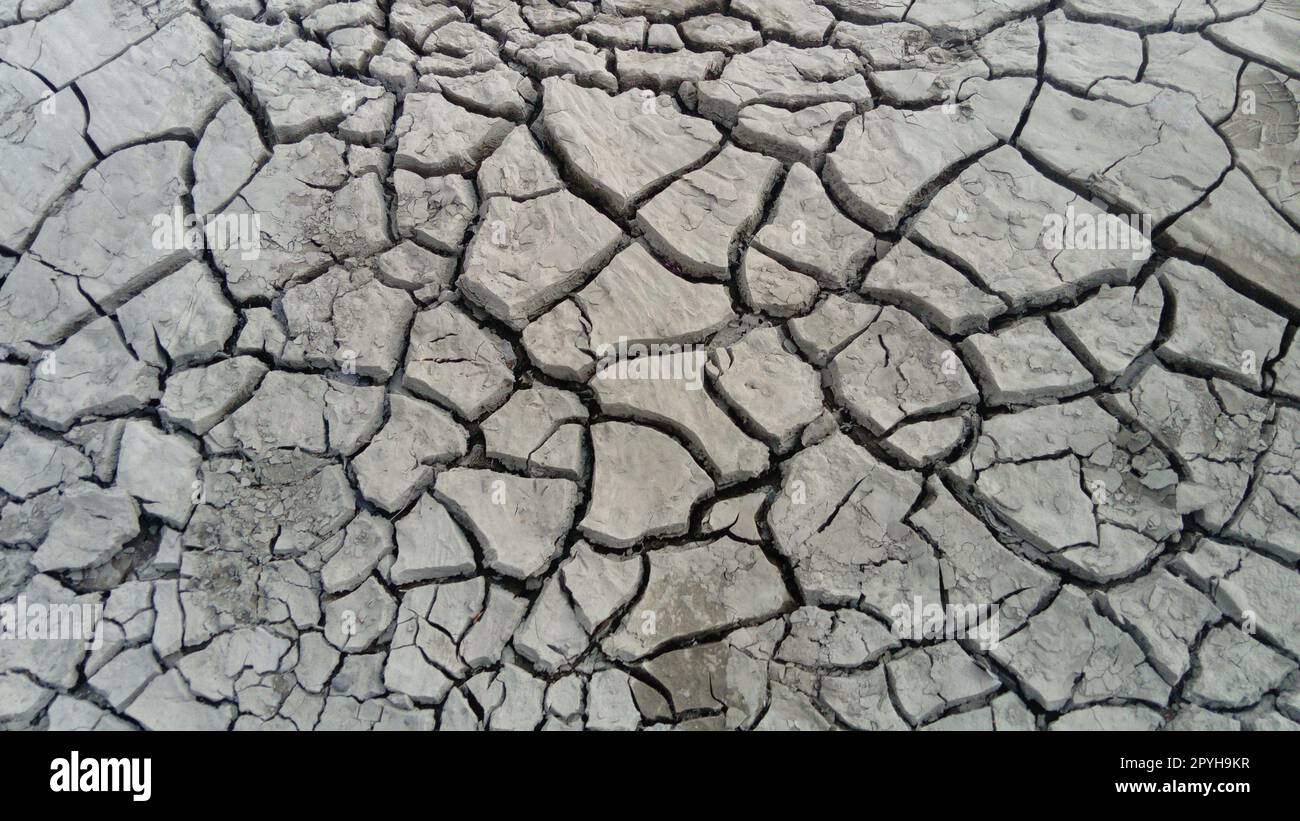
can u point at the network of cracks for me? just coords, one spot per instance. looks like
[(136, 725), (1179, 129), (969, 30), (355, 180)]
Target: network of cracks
[(688, 364)]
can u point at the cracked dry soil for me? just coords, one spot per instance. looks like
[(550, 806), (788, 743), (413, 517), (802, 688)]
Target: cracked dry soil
[(630, 364)]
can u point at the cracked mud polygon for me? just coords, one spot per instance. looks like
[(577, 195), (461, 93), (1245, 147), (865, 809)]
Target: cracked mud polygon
[(690, 364)]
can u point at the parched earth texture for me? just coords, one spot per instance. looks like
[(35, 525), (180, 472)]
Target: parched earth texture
[(635, 365)]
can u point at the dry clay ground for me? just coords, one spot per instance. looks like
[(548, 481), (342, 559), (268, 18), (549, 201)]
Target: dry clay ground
[(651, 364)]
